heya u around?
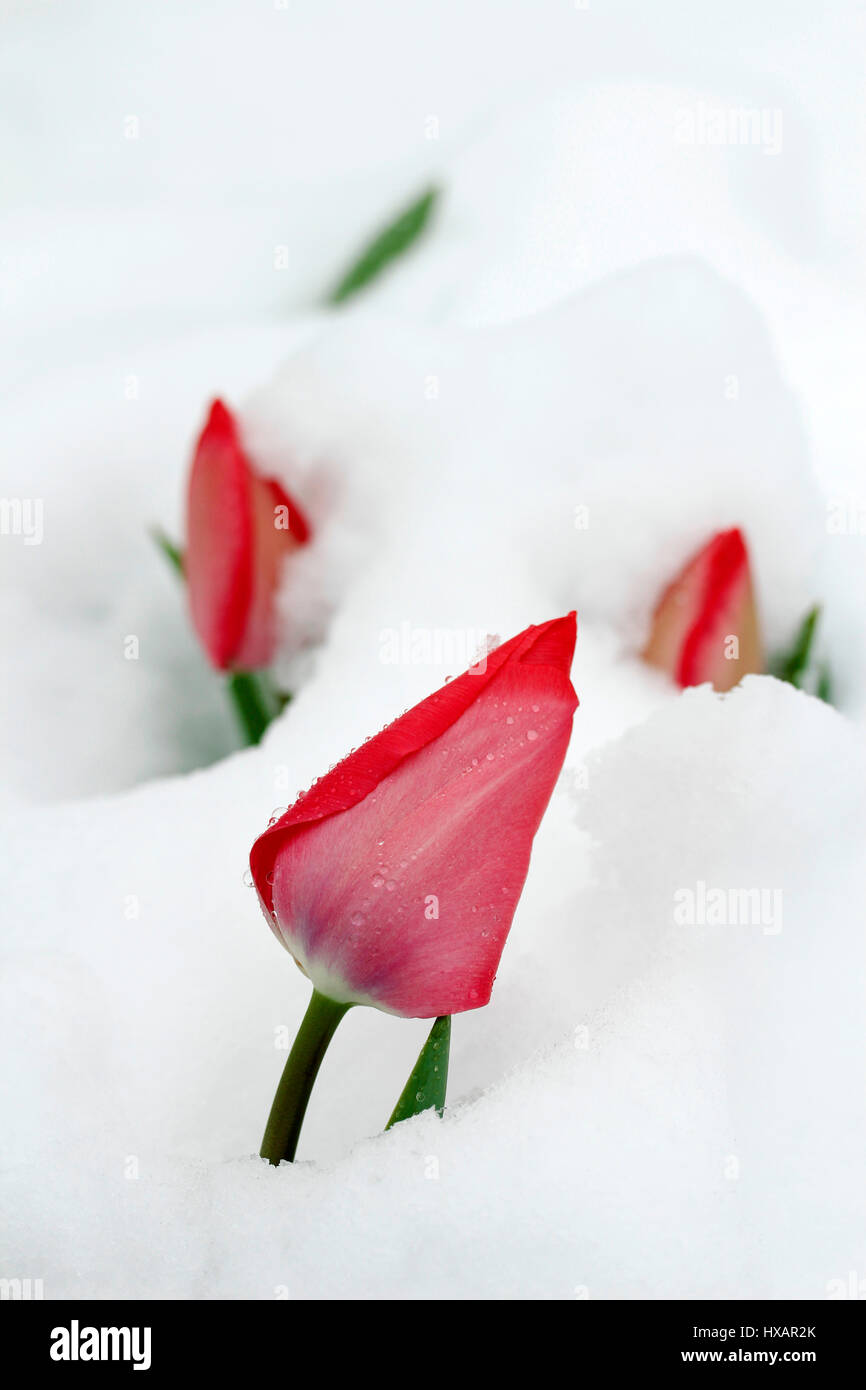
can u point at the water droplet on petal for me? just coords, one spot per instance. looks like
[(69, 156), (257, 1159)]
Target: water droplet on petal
[(390, 885), (531, 735), (357, 919), (377, 880)]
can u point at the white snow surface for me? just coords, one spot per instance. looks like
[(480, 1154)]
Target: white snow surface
[(610, 346)]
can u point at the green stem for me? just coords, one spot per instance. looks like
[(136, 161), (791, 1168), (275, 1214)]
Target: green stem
[(255, 700), (252, 704), (299, 1074)]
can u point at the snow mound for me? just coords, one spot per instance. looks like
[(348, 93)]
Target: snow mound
[(668, 1109), (457, 480)]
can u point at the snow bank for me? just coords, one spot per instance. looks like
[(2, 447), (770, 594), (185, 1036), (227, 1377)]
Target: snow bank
[(646, 1108), (457, 480)]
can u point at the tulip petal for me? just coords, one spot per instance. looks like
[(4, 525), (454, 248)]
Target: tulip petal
[(271, 545), (394, 880), (705, 627), (240, 528), (218, 558)]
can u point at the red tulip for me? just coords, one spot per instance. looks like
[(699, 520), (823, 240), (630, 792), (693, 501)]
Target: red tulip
[(705, 627), (393, 881), (240, 528)]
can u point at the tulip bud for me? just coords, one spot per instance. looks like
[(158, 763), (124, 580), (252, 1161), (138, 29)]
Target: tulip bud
[(240, 529), (393, 881), (705, 627)]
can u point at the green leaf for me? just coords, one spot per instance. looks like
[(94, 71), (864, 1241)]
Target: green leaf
[(425, 1089), (393, 241), (796, 665), (824, 688), (173, 553), (791, 665)]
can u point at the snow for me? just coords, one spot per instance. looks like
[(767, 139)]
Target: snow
[(599, 1102), (610, 346)]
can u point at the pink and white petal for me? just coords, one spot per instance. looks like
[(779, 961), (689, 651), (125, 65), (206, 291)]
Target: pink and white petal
[(405, 899)]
